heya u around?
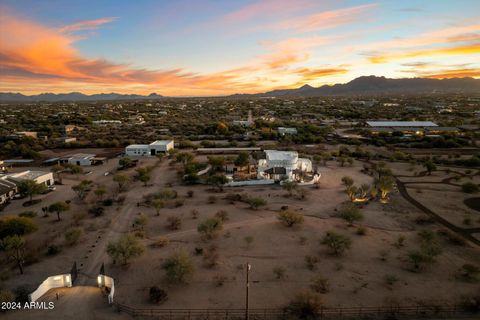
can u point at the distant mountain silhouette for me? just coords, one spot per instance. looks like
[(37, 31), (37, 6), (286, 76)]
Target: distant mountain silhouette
[(74, 96), (367, 85), (372, 85)]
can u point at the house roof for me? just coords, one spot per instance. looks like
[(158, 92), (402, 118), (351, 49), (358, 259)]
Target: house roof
[(275, 155), (137, 146), (161, 142), (401, 124)]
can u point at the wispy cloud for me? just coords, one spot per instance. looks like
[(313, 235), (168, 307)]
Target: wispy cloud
[(455, 73), (326, 19), (87, 24), (308, 74), (265, 9), (422, 53)]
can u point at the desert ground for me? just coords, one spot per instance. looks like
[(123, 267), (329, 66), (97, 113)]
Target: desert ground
[(356, 278)]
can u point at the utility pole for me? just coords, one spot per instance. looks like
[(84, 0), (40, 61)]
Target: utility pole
[(247, 285)]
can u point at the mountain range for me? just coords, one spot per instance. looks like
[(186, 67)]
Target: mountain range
[(372, 85), (366, 85)]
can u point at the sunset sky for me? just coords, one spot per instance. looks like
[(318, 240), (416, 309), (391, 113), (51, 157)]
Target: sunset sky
[(200, 47)]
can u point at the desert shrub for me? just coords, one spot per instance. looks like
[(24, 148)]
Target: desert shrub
[(400, 242), (219, 280), (140, 221), (16, 226), (53, 250), (305, 305), (469, 272), (320, 284), (303, 240), (289, 218), (211, 256), (279, 272), (426, 236), (28, 214), (222, 215), (107, 202), (195, 214), (311, 262), (160, 242), (210, 228), (73, 235), (337, 243), (256, 202), (351, 214), (6, 296), (178, 267), (470, 187), (125, 249), (179, 203), (361, 231), (97, 211), (190, 193), (174, 223), (21, 293), (157, 295), (211, 199), (452, 238), (234, 197), (248, 240), (424, 220), (390, 280), (420, 258)]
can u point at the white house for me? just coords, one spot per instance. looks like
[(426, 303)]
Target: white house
[(283, 165), (154, 148), (38, 176), (283, 131)]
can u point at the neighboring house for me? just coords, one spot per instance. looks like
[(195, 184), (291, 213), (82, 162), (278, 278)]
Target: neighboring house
[(283, 165), (79, 159), (37, 176), (154, 148), (31, 134), (65, 139), (107, 122), (7, 189), (406, 127), (283, 131)]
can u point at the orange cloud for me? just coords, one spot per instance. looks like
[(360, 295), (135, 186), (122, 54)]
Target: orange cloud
[(312, 74), (445, 51), (457, 73), (37, 56), (326, 19), (87, 24)]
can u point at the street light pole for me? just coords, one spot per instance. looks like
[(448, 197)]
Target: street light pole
[(247, 285)]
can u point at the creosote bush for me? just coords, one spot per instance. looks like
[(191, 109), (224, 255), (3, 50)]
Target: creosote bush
[(290, 218)]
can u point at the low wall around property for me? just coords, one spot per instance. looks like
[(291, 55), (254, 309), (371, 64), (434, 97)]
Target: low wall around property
[(250, 183), (57, 281), (108, 282)]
